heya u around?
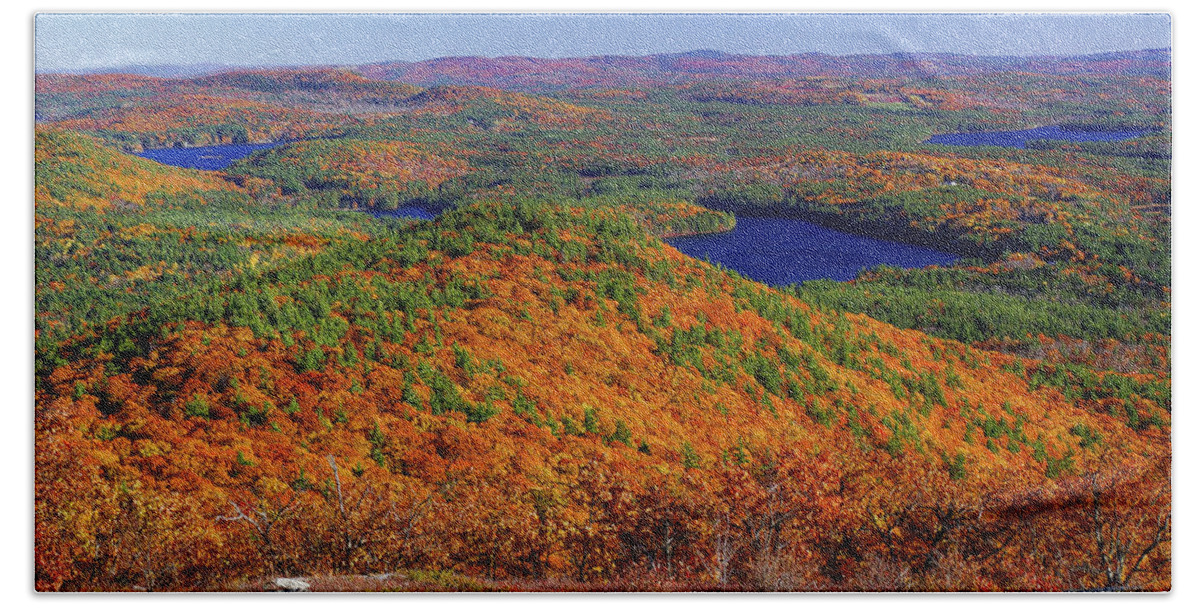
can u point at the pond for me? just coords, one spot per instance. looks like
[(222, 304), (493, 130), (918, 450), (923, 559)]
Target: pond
[(209, 158), (414, 212), (780, 251), (1018, 139)]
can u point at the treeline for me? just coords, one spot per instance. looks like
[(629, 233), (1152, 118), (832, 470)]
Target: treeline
[(976, 317), (205, 135), (1150, 148)]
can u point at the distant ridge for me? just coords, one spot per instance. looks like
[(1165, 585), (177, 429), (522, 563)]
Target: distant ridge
[(542, 74), (533, 74)]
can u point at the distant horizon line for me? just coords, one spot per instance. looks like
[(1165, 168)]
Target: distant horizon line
[(212, 67)]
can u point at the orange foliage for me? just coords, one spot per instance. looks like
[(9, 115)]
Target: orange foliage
[(604, 459)]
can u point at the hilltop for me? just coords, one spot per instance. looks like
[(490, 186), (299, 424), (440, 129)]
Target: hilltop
[(78, 172)]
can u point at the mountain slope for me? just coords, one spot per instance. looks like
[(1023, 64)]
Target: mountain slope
[(520, 391)]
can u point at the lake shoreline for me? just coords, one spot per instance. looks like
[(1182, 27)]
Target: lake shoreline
[(884, 231), (780, 251), (1020, 138)]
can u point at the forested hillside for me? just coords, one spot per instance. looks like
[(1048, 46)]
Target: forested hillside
[(256, 372)]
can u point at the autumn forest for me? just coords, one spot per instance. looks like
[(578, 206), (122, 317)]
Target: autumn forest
[(266, 370)]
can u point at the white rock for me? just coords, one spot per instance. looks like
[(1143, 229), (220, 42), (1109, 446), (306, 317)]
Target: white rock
[(291, 584)]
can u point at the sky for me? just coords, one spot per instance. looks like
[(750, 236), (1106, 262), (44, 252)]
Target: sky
[(91, 42)]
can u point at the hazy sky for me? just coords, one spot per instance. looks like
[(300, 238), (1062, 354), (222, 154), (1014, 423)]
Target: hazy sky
[(76, 42)]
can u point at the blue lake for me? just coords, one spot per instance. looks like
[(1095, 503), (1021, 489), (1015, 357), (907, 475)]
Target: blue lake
[(1017, 139), (209, 158), (407, 211), (781, 251)]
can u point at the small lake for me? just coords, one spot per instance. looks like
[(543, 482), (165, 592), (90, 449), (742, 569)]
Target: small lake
[(1018, 139), (209, 158), (781, 251), (412, 212)]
